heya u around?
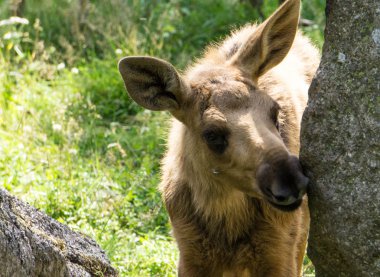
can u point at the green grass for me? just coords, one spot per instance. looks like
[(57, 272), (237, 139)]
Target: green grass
[(74, 160), (72, 143)]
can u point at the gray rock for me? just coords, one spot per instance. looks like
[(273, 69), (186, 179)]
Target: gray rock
[(340, 146), (33, 244)]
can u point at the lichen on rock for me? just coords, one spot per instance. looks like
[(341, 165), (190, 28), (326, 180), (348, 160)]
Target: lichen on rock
[(33, 244), (340, 146)]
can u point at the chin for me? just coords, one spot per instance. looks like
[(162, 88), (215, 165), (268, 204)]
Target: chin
[(288, 208)]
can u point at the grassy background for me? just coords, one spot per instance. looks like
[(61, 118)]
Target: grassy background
[(72, 143)]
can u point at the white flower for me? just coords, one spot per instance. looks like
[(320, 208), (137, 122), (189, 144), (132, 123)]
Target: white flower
[(75, 70), (73, 151), (57, 127), (12, 35), (118, 51), (14, 20), (61, 66)]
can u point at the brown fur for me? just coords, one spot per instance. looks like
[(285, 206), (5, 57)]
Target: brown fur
[(222, 221)]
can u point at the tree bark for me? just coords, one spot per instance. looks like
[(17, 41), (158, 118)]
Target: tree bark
[(340, 143), (33, 244)]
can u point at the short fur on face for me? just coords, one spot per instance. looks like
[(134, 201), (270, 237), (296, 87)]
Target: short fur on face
[(231, 170)]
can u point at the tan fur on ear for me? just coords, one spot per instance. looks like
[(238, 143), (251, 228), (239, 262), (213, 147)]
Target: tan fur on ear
[(153, 83), (271, 42)]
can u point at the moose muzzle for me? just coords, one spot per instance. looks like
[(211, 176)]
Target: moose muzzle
[(283, 182)]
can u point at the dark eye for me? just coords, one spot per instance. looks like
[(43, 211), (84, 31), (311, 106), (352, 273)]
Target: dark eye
[(277, 125), (216, 140), (274, 115)]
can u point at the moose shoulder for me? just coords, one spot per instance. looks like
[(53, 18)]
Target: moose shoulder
[(232, 182)]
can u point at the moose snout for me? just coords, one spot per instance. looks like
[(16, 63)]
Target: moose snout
[(283, 182)]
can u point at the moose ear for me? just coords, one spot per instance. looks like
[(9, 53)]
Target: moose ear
[(271, 41), (153, 83)]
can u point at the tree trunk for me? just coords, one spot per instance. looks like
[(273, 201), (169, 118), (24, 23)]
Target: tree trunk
[(340, 143), (33, 244)]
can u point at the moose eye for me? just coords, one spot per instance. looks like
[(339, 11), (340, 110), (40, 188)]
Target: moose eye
[(277, 125), (216, 140), (274, 115)]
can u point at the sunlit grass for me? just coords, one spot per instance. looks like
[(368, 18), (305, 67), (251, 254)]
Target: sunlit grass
[(61, 153)]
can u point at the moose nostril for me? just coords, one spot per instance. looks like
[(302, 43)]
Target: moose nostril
[(280, 195), (284, 198), (281, 198)]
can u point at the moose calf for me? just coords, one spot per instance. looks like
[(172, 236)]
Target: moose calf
[(232, 182)]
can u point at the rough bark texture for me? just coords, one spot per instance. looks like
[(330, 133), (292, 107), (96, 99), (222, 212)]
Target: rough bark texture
[(33, 244), (340, 143)]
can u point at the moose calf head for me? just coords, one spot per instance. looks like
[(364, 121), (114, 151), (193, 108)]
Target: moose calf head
[(232, 128)]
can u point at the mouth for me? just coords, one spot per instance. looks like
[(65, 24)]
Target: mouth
[(289, 207), (286, 203)]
